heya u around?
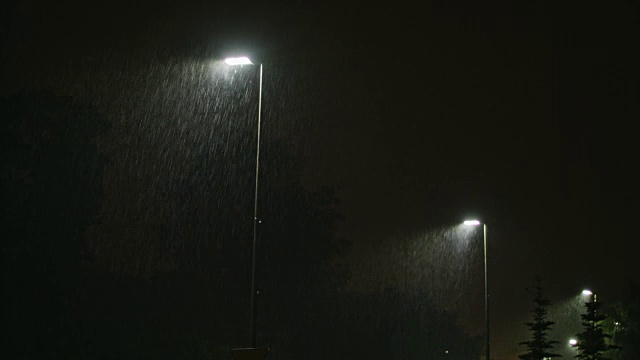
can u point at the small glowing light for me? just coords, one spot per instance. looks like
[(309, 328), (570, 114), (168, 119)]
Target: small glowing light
[(573, 342), (472, 222), (446, 351), (587, 292), (616, 323), (238, 61)]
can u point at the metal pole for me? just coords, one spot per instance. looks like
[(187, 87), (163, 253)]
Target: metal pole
[(254, 292), (486, 292)]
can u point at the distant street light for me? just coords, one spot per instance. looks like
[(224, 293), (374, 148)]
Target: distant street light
[(245, 61), (486, 281), (587, 292), (573, 342)]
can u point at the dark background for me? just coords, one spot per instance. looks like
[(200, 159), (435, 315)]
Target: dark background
[(419, 115)]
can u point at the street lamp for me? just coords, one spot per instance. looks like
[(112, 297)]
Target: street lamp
[(573, 342), (587, 293), (235, 62), (486, 281)]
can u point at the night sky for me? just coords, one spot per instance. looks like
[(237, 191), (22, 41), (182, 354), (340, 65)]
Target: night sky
[(419, 115)]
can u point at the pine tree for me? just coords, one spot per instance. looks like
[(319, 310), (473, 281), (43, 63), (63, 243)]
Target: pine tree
[(592, 342), (539, 346)]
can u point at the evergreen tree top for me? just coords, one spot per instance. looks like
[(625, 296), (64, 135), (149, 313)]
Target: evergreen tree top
[(539, 346)]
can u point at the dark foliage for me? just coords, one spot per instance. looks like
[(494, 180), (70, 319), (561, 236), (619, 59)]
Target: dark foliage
[(623, 324), (539, 346), (593, 342)]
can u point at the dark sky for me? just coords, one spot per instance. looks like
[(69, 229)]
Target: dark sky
[(420, 116)]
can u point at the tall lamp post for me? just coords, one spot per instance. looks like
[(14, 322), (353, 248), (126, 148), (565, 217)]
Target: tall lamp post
[(486, 282), (239, 61)]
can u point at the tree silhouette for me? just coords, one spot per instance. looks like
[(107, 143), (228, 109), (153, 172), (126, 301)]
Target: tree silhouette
[(593, 341), (539, 346), (623, 324)]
